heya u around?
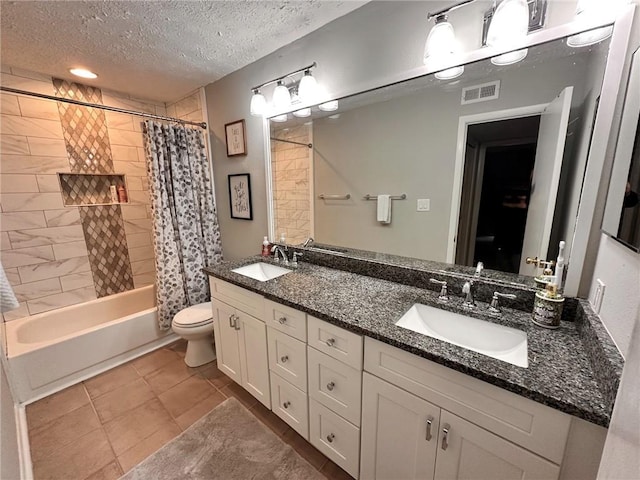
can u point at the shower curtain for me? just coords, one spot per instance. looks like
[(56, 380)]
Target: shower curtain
[(186, 236)]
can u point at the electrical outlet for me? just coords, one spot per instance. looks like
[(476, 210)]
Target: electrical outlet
[(598, 295), (423, 205)]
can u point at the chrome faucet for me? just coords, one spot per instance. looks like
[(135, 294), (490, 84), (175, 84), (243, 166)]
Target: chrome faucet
[(444, 295), (307, 242), (495, 301), (283, 252), (469, 302), (479, 268)]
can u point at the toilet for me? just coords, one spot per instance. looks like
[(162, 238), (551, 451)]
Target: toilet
[(195, 325)]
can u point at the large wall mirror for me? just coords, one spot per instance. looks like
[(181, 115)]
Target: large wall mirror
[(622, 213), (486, 167)]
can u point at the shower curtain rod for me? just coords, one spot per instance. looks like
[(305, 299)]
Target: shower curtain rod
[(101, 107), (309, 145)]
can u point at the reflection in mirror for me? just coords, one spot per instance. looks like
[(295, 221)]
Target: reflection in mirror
[(622, 214), (491, 163)]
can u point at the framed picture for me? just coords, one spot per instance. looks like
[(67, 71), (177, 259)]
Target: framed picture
[(234, 133), (240, 196)]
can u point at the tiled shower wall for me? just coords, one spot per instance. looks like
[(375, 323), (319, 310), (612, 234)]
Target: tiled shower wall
[(291, 169), (56, 256)]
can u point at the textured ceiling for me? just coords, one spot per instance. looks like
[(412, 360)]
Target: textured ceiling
[(159, 50)]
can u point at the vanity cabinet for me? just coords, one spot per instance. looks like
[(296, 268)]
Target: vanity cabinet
[(404, 436), (241, 338)]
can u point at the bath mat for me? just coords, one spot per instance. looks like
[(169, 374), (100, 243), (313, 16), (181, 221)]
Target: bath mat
[(228, 443)]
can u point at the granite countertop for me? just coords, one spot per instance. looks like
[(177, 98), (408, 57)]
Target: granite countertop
[(561, 373)]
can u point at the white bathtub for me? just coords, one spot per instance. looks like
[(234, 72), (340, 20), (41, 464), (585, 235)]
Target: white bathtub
[(53, 350)]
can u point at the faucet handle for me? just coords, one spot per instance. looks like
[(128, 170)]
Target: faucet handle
[(495, 301), (444, 294), (479, 268), (469, 303), (294, 260)]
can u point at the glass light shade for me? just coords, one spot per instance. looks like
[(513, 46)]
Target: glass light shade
[(303, 112), (280, 118), (510, 57), (441, 40), (450, 73), (258, 104), (329, 106), (308, 88), (281, 97), (589, 12), (590, 37), (509, 25), (83, 73)]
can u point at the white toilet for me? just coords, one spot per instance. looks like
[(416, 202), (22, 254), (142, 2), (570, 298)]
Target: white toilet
[(195, 325)]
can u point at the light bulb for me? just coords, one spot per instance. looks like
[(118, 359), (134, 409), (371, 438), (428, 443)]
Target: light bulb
[(303, 112), (509, 25), (281, 97), (329, 106), (258, 104), (280, 118), (84, 73), (441, 41), (308, 88)]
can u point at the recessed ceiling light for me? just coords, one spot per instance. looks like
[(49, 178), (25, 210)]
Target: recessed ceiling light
[(81, 72)]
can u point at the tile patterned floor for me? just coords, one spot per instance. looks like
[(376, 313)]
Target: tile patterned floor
[(101, 428)]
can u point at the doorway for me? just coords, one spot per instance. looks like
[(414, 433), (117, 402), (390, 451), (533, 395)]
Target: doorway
[(496, 186)]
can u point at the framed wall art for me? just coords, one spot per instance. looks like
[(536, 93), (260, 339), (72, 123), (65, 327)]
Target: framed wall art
[(240, 196), (234, 133)]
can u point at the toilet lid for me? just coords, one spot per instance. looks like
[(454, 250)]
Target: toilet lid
[(194, 316)]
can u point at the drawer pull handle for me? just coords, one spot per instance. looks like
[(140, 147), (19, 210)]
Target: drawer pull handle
[(330, 437), (286, 404), (331, 342), (429, 423), (282, 320), (331, 386), (231, 321), (235, 322), (445, 436), (284, 358)]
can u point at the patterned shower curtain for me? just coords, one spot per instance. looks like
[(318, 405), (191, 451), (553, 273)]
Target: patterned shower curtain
[(186, 236)]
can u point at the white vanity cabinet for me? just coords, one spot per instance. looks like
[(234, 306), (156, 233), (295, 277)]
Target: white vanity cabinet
[(404, 436), (241, 338), (427, 421), (335, 385)]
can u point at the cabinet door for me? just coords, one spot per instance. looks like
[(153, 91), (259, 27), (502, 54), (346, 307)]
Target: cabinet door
[(399, 433), (467, 451), (254, 363), (226, 339)]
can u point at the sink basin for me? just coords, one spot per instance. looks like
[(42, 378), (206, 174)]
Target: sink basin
[(261, 271), (497, 341)]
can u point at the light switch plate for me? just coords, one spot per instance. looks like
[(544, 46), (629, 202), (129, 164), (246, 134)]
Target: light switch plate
[(598, 295), (424, 204)]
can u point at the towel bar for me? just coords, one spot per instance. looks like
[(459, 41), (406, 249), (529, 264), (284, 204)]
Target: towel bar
[(324, 196), (393, 197)]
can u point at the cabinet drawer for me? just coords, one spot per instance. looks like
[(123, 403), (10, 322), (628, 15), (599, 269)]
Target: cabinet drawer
[(530, 424), (335, 385), (237, 297), (288, 358), (335, 342), (335, 437), (286, 319), (290, 404)]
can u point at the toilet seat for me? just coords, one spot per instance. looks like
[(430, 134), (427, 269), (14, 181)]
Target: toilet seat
[(194, 316)]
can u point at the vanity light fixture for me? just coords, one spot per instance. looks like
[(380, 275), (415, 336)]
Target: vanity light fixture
[(303, 112), (330, 106), (280, 118), (307, 90), (509, 26), (441, 47), (589, 11), (83, 73)]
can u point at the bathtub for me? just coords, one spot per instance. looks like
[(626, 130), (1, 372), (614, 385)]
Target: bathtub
[(53, 350)]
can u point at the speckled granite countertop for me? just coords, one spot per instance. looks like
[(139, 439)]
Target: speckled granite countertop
[(563, 371)]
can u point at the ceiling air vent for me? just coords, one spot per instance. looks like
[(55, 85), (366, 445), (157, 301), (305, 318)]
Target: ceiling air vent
[(481, 93)]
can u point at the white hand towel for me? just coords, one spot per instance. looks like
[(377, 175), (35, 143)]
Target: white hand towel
[(384, 208), (8, 299)]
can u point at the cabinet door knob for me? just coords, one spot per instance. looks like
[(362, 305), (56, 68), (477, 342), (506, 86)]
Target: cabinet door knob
[(330, 386), (330, 437), (282, 320), (331, 342), (445, 436), (286, 404), (429, 424), (284, 358)]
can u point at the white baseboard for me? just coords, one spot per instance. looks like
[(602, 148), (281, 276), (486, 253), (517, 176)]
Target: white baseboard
[(24, 451)]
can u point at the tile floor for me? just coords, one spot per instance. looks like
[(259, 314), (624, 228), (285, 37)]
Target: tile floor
[(102, 427)]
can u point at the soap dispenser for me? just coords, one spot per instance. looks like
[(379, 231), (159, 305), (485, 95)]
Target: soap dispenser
[(266, 249)]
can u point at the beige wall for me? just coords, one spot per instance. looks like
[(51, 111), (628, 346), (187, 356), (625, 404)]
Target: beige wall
[(290, 172)]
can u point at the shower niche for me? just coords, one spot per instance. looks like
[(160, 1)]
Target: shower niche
[(84, 189)]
